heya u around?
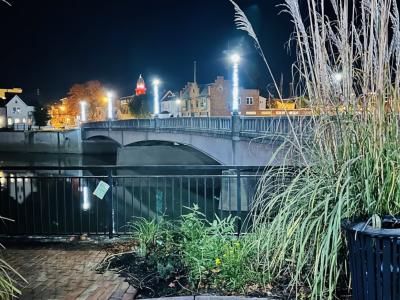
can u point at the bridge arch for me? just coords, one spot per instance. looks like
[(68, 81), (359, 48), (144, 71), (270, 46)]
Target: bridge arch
[(224, 149), (170, 152), (105, 138)]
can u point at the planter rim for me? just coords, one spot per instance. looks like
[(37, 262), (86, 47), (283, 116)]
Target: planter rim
[(362, 228)]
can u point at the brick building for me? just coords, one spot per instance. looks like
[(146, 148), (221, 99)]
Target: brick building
[(215, 99)]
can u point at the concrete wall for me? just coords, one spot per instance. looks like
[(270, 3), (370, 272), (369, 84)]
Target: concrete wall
[(41, 141)]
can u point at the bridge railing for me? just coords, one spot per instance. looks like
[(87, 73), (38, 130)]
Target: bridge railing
[(275, 125), (133, 123), (196, 123), (251, 126)]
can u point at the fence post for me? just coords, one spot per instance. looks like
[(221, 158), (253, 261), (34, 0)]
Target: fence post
[(156, 123), (110, 205), (236, 125), (238, 200)]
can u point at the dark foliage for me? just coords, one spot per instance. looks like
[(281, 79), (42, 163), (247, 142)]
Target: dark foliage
[(140, 106), (41, 115)]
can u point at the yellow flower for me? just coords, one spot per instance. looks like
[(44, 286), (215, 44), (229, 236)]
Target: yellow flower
[(218, 262)]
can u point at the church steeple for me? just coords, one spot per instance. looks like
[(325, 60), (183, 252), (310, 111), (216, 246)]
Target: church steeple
[(140, 86)]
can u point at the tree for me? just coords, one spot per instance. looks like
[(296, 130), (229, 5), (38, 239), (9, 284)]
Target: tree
[(93, 93), (140, 106), (41, 115)]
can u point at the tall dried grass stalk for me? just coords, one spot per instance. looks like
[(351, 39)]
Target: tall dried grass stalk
[(350, 157)]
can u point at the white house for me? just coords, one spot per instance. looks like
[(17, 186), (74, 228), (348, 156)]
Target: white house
[(171, 103), (19, 114), (3, 117)]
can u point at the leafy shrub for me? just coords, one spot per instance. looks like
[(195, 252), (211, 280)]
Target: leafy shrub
[(157, 244), (209, 253)]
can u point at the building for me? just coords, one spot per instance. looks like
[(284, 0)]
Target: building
[(122, 104), (215, 99), (171, 104), (278, 107), (3, 117), (19, 114), (140, 86)]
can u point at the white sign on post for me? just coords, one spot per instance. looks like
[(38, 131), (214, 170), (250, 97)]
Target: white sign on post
[(101, 189)]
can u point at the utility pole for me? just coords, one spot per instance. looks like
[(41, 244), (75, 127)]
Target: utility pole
[(195, 72)]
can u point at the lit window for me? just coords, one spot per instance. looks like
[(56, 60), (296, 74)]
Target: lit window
[(18, 110), (10, 121), (23, 120), (17, 121), (249, 100)]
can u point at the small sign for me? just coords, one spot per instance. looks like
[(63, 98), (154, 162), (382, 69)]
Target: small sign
[(101, 190)]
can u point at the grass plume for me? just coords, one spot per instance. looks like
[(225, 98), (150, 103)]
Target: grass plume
[(348, 67)]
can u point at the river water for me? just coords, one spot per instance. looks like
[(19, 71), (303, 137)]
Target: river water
[(62, 202)]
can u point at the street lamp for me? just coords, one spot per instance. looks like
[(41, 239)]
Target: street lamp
[(110, 96), (178, 103), (83, 111), (235, 59), (156, 84)]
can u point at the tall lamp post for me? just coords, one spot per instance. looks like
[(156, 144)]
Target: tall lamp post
[(110, 96), (83, 111), (156, 84), (235, 59)]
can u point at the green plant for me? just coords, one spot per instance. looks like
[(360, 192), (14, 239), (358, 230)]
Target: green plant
[(147, 234), (238, 268), (213, 255), (209, 254), (9, 277), (157, 243), (349, 68), (8, 289)]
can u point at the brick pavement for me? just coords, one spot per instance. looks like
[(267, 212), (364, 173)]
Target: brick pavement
[(62, 273)]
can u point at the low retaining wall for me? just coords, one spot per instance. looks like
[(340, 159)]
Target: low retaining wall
[(41, 141)]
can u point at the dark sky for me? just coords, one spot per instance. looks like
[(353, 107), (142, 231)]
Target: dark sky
[(52, 44)]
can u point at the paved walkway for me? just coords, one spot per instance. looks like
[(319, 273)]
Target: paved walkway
[(66, 273)]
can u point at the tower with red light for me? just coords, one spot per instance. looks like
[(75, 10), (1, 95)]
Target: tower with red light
[(140, 86)]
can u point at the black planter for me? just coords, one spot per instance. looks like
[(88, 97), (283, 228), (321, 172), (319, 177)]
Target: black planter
[(374, 262)]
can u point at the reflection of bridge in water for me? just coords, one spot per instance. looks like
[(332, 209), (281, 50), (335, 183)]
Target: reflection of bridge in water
[(61, 201), (232, 140)]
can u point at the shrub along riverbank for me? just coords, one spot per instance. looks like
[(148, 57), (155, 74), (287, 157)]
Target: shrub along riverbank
[(194, 256), (191, 257)]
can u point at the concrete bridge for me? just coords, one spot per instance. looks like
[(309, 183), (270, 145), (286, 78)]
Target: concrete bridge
[(232, 140)]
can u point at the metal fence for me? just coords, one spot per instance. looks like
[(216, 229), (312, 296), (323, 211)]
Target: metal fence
[(60, 201)]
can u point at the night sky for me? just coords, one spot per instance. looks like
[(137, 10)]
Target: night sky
[(52, 44)]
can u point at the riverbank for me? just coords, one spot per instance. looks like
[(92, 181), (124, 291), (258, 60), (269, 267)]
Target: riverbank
[(56, 142)]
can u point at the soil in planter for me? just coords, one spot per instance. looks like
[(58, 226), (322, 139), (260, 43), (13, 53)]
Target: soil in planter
[(146, 278), (150, 284)]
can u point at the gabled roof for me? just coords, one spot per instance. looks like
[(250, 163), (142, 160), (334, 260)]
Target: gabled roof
[(16, 97), (170, 96), (167, 95)]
